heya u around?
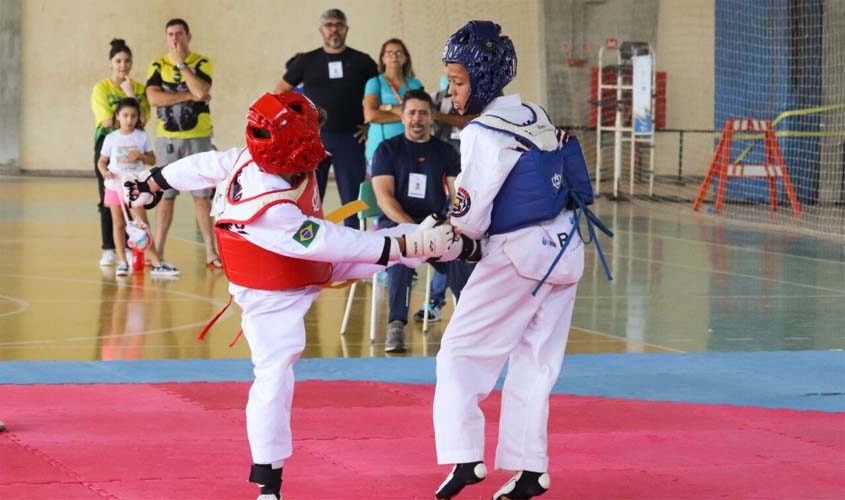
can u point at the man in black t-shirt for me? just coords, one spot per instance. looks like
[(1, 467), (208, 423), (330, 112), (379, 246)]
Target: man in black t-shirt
[(414, 177), (333, 77)]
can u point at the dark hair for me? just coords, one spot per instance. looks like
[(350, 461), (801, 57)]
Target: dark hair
[(407, 68), (418, 94), (332, 14), (177, 21), (118, 45), (128, 102)]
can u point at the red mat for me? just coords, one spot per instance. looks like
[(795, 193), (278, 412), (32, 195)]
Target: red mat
[(362, 440)]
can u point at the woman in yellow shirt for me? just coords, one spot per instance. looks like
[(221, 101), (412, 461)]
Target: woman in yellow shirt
[(104, 98)]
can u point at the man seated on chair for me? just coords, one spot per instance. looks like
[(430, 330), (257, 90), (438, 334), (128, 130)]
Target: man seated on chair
[(414, 177)]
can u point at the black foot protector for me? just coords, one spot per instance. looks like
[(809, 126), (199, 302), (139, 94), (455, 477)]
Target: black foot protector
[(461, 475), (267, 478), (523, 486)]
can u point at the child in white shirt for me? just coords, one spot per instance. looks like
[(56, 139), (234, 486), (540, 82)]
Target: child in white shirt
[(125, 151)]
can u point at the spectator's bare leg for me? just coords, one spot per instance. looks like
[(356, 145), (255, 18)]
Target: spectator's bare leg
[(164, 217), (203, 208)]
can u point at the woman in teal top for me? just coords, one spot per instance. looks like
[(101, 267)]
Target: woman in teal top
[(383, 94)]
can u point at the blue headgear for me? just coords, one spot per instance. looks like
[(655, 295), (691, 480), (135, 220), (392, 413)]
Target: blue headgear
[(488, 57)]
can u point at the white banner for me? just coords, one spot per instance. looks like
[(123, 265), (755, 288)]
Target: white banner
[(643, 114)]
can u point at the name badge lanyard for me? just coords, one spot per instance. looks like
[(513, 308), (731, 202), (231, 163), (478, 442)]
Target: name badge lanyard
[(395, 94), (395, 91)]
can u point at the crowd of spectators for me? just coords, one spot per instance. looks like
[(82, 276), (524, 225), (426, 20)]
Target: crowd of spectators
[(366, 131)]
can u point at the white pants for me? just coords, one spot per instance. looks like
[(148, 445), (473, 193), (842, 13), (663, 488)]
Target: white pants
[(274, 325), (497, 320)]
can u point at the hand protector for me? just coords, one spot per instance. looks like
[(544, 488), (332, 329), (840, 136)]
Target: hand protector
[(143, 196), (466, 249), (429, 242)]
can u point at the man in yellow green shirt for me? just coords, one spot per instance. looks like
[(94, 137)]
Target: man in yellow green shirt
[(179, 85)]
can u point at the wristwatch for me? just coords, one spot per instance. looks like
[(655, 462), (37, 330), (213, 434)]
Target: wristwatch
[(388, 107), (181, 66)]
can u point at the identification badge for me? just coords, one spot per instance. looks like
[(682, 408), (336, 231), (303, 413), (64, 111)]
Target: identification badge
[(335, 69), (416, 186)]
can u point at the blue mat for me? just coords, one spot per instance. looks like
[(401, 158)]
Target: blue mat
[(801, 380)]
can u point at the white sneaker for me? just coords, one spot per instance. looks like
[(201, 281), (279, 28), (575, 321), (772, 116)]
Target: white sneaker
[(107, 258), (122, 269), (268, 497)]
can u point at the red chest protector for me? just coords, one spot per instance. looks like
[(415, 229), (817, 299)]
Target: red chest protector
[(250, 265)]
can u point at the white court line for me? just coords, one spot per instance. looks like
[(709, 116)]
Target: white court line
[(22, 306), (711, 270), (196, 297), (607, 335), (747, 249)]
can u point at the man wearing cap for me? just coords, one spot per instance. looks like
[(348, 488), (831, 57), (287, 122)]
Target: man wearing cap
[(333, 77)]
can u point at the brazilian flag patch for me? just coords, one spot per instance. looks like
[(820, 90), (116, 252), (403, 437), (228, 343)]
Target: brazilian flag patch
[(306, 233)]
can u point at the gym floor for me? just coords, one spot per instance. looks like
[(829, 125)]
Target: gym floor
[(682, 283)]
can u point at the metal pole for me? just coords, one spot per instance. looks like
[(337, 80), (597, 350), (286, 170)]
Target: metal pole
[(680, 157), (599, 88), (617, 132)]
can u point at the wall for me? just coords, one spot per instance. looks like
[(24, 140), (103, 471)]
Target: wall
[(248, 40), (685, 51), (10, 84), (681, 34), (832, 148)]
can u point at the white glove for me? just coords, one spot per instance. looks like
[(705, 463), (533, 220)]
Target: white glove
[(428, 223), (429, 242), (464, 248)]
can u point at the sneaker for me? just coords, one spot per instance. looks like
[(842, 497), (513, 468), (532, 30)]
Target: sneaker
[(108, 258), (270, 497), (395, 337), (435, 313), (165, 270), (122, 269), (462, 475), (524, 485)]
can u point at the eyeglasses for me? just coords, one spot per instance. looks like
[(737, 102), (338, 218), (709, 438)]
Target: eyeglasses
[(394, 53), (337, 26)]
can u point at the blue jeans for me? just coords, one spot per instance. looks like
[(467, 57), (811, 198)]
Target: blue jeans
[(400, 279), (438, 289), (350, 167)]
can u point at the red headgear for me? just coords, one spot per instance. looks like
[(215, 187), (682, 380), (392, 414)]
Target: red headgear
[(282, 134)]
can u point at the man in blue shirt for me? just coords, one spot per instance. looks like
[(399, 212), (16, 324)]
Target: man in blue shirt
[(414, 177)]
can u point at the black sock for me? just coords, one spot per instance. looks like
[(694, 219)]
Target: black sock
[(267, 478)]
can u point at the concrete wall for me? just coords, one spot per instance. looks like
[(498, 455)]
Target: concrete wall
[(10, 84), (832, 149), (686, 53), (681, 33), (248, 40)]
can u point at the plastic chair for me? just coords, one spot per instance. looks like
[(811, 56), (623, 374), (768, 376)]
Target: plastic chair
[(368, 196)]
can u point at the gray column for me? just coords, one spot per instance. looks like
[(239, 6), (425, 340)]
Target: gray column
[(10, 85)]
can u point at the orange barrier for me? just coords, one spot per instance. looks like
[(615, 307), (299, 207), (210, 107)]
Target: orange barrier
[(721, 166)]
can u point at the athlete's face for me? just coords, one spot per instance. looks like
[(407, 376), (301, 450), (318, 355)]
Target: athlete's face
[(416, 117), (121, 65), (334, 33), (459, 87)]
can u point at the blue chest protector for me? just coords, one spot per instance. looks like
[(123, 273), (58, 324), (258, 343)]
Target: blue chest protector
[(543, 183)]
